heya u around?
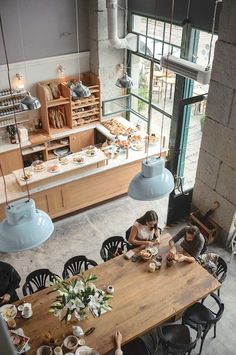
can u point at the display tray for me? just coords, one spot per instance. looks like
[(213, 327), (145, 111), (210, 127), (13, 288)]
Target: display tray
[(69, 169)]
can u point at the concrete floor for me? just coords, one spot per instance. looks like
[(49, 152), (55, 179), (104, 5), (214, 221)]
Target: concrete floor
[(83, 234)]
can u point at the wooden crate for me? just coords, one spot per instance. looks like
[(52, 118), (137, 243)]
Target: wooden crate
[(208, 228)]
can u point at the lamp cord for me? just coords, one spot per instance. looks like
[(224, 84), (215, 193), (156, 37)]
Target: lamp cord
[(188, 9), (166, 75), (13, 100), (77, 34), (5, 186), (212, 33)]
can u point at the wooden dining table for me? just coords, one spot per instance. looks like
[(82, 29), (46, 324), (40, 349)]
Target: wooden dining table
[(142, 300)]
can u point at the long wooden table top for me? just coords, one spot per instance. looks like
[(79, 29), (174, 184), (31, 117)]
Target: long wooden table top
[(141, 301)]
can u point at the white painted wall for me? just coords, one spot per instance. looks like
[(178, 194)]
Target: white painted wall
[(42, 69)]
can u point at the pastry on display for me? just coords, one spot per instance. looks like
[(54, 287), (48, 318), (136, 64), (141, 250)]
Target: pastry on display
[(27, 175), (152, 138), (122, 144), (135, 138), (53, 167), (78, 159), (38, 165), (117, 128)]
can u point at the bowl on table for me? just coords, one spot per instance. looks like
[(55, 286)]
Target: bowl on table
[(71, 342), (145, 254), (44, 350)]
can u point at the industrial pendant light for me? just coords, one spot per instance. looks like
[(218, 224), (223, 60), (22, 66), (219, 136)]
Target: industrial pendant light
[(30, 102), (24, 227), (125, 82), (154, 181)]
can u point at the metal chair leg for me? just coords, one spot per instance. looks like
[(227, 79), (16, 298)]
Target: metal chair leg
[(203, 339), (215, 330)]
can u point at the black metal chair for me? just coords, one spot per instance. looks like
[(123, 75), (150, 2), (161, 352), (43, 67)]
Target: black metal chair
[(199, 314), (76, 264), (176, 338), (113, 247), (37, 280), (135, 347), (127, 233), (221, 272)]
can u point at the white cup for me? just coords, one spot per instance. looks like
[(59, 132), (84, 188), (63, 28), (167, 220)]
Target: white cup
[(110, 289), (27, 310), (77, 331), (58, 351)]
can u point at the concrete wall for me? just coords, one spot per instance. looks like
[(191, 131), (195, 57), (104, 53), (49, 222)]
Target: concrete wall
[(216, 173), (104, 59)]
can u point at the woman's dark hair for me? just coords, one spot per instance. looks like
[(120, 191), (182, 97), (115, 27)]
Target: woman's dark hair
[(149, 216), (193, 230)]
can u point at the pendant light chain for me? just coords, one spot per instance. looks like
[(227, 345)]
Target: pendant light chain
[(13, 100), (77, 34)]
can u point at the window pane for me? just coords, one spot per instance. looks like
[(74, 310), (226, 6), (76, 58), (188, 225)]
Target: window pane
[(139, 24), (120, 104), (157, 119), (163, 86), (139, 106), (158, 49), (136, 120), (142, 44), (176, 34), (155, 29), (140, 73)]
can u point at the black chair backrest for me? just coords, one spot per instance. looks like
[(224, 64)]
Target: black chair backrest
[(127, 233), (221, 271), (177, 344), (113, 246), (77, 264), (37, 280), (220, 312)]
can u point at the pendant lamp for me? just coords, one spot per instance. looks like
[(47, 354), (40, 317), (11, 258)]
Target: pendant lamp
[(125, 82), (154, 181), (81, 90), (25, 227), (30, 102)]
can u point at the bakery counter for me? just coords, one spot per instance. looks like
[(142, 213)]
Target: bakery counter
[(83, 188)]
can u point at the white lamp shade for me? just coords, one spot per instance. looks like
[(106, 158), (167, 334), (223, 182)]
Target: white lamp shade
[(25, 227), (154, 181)]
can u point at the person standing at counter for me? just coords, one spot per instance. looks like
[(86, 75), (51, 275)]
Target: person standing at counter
[(192, 242), (145, 230), (9, 282)]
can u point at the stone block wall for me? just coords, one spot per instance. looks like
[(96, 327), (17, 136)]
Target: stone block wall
[(104, 59), (216, 172)]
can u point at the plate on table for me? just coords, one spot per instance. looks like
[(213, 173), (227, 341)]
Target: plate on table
[(90, 152), (8, 311), (83, 350), (27, 176), (138, 146), (79, 159)]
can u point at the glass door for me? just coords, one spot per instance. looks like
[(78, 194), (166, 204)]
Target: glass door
[(191, 121)]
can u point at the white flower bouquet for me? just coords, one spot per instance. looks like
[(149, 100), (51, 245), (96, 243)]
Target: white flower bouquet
[(77, 296)]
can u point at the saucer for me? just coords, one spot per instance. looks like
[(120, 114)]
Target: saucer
[(27, 316)]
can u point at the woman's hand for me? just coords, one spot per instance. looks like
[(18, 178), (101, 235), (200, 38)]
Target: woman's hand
[(5, 298), (118, 339), (157, 241)]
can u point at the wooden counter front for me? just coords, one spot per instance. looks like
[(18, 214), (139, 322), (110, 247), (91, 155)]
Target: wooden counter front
[(84, 192)]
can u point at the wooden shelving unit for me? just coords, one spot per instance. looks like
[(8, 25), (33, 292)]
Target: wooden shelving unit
[(71, 113)]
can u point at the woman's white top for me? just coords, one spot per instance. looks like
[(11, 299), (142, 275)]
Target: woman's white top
[(144, 232), (118, 352)]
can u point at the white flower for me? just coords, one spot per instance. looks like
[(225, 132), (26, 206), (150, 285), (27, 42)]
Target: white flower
[(94, 302), (79, 286), (91, 286), (78, 303)]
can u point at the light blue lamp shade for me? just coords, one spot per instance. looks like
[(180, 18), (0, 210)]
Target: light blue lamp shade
[(30, 102), (154, 181), (125, 82), (81, 90), (25, 227)]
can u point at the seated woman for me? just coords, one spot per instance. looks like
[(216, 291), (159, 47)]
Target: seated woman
[(9, 282), (192, 243), (144, 231)]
